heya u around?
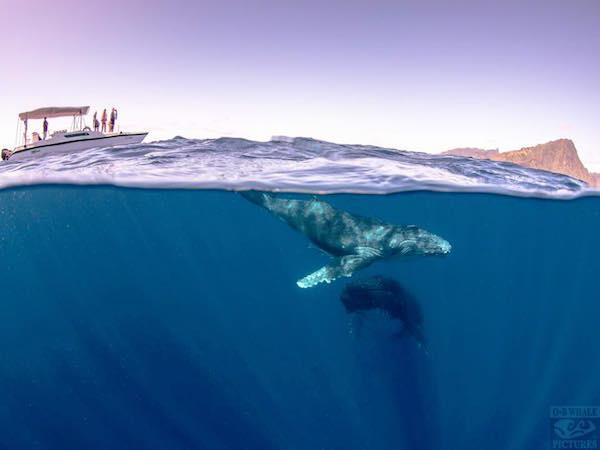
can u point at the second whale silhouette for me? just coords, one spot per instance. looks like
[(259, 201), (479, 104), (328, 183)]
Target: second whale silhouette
[(387, 295), (354, 242)]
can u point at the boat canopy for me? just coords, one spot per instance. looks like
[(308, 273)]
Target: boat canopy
[(55, 111)]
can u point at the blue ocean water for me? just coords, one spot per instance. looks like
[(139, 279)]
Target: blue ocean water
[(163, 318)]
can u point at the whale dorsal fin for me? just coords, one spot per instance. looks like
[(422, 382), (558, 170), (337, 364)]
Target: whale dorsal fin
[(339, 267)]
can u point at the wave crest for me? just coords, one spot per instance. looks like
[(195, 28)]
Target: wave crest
[(285, 164)]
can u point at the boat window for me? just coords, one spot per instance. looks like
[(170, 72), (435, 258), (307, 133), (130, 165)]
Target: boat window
[(70, 135)]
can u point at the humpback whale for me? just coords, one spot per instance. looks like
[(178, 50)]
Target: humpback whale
[(354, 242), (385, 294)]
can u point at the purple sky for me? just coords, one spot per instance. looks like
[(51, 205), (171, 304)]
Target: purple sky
[(419, 75)]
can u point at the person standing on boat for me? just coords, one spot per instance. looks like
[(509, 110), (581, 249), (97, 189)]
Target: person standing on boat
[(114, 110), (96, 123), (45, 128), (104, 121), (111, 122)]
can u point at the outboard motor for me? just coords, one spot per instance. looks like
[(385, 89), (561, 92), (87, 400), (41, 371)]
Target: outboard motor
[(6, 154)]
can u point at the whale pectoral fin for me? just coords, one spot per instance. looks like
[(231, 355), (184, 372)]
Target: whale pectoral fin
[(325, 274), (340, 267)]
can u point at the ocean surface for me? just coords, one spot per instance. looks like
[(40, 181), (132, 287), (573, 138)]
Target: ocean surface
[(147, 305)]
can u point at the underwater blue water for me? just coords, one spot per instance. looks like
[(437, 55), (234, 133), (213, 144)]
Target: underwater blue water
[(171, 319)]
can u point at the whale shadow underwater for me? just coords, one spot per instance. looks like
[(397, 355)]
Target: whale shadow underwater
[(378, 293), (352, 241)]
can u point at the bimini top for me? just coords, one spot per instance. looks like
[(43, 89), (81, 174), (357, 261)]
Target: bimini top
[(55, 111)]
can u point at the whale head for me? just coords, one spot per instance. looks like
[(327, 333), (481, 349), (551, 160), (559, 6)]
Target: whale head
[(432, 244), (413, 240)]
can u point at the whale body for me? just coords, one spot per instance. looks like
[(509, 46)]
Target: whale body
[(354, 242), (387, 295)]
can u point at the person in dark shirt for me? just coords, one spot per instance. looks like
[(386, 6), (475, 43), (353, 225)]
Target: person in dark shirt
[(96, 123), (45, 128), (113, 119)]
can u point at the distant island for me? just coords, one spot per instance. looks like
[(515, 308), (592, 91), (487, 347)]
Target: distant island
[(558, 156)]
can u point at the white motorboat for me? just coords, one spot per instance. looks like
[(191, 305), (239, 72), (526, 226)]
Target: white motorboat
[(79, 137)]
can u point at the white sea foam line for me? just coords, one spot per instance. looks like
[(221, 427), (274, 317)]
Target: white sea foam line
[(331, 188), (317, 174)]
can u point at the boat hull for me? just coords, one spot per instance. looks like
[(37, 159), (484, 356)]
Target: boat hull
[(79, 145)]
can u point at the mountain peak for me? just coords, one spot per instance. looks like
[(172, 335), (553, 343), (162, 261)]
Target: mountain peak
[(559, 156)]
